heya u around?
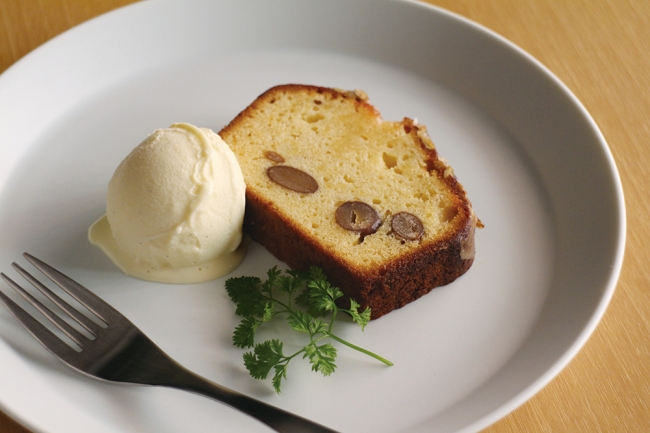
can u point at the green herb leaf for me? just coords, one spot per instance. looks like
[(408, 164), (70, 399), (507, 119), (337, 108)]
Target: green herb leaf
[(269, 311), (272, 275), (299, 321), (321, 358), (259, 302), (361, 319), (303, 300), (322, 295), (245, 294), (244, 335), (265, 356), (280, 373)]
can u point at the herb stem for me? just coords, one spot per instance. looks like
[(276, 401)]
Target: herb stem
[(290, 357), (360, 349), (329, 330)]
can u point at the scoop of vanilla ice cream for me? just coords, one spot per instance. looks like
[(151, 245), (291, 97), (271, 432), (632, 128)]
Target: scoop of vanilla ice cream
[(175, 202)]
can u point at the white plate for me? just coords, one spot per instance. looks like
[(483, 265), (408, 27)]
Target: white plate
[(536, 167)]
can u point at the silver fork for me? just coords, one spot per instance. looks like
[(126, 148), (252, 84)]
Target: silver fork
[(120, 352)]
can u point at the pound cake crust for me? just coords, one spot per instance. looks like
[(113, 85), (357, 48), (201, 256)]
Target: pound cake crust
[(341, 141)]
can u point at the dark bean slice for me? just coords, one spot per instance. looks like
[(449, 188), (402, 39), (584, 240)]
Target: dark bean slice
[(407, 226), (273, 156), (292, 178), (357, 216)]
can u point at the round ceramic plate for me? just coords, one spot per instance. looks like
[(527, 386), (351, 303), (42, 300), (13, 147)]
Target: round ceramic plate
[(535, 166)]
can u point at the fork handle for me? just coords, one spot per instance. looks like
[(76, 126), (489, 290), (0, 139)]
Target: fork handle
[(278, 419), (143, 362)]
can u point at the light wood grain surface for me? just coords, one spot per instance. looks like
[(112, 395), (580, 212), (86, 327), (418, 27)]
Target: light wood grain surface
[(601, 50)]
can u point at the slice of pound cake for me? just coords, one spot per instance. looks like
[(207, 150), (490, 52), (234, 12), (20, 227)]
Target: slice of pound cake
[(329, 183)]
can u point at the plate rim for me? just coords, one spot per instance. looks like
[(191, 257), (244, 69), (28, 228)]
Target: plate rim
[(527, 393)]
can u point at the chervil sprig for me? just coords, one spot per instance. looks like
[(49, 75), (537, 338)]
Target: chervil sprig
[(304, 298)]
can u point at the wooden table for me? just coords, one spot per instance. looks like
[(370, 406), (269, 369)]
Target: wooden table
[(601, 50)]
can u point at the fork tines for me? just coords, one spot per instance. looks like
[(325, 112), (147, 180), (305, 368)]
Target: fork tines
[(74, 289)]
